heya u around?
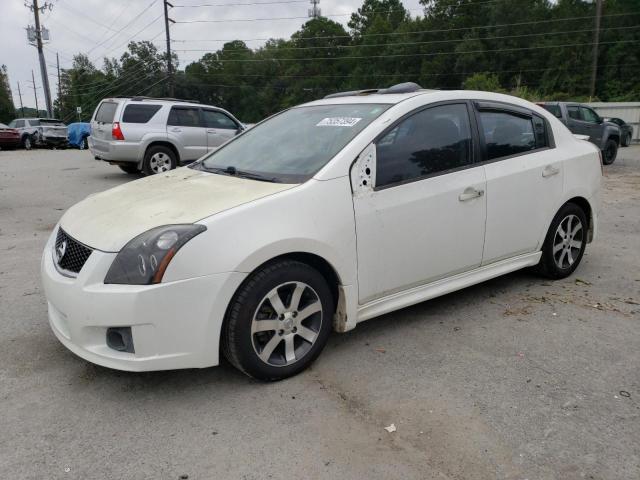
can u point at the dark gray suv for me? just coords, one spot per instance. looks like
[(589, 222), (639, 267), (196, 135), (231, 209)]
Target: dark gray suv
[(583, 120)]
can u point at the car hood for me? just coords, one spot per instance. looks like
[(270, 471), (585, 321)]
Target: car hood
[(108, 220)]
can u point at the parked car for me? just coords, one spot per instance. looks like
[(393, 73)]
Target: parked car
[(318, 218), (626, 130), (154, 135), (40, 132), (9, 137), (584, 120), (78, 134)]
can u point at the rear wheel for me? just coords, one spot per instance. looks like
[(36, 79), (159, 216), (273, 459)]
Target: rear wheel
[(610, 151), (565, 242), (159, 159), (279, 321), (27, 143), (129, 168)]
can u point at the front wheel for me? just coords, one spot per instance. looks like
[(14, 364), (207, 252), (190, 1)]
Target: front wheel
[(610, 151), (159, 159), (279, 321), (27, 143), (565, 242)]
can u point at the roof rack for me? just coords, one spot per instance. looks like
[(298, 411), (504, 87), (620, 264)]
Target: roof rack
[(168, 99), (407, 87)]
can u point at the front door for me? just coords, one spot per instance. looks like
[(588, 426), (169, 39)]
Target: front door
[(419, 202), (220, 128), (185, 128)]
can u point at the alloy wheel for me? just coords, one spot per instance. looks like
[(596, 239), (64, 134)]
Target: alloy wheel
[(160, 162), (568, 241), (286, 324)]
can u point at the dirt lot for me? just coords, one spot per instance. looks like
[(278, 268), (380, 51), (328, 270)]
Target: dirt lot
[(517, 378)]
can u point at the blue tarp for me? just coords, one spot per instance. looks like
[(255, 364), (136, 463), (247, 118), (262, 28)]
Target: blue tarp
[(77, 132)]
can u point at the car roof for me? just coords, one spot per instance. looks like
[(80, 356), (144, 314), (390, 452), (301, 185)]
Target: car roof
[(166, 101)]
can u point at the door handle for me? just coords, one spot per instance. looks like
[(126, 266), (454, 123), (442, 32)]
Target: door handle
[(211, 131), (550, 171), (469, 194), (175, 129)]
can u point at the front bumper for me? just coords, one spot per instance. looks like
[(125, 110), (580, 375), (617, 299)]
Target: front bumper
[(174, 325)]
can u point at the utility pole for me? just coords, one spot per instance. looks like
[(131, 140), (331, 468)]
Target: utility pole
[(166, 28), (59, 88), (314, 11), (35, 93), (43, 66), (20, 97), (596, 41)]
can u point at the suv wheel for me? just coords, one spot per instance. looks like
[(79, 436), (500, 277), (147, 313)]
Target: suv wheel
[(26, 142), (159, 159), (610, 151), (565, 242), (279, 321)]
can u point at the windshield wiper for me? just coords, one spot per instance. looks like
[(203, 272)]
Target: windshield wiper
[(234, 172)]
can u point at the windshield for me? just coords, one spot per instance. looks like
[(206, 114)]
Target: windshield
[(292, 146)]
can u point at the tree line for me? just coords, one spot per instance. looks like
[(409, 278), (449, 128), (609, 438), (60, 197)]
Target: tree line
[(536, 49)]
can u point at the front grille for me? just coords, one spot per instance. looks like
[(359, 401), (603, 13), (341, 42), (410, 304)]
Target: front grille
[(69, 254)]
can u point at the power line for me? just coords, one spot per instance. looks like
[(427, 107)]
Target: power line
[(430, 54), (392, 44), (280, 2), (327, 37)]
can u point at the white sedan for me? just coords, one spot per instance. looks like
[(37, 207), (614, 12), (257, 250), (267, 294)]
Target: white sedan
[(321, 217)]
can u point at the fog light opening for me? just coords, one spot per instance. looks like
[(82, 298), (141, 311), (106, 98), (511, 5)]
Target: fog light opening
[(120, 339)]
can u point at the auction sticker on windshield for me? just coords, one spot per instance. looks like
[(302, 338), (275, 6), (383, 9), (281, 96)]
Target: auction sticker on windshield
[(338, 122)]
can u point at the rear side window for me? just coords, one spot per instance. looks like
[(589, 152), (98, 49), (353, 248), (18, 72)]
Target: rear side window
[(431, 141), (106, 112), (184, 117), (215, 119), (507, 134), (139, 113), (554, 109), (34, 123), (540, 132), (574, 113)]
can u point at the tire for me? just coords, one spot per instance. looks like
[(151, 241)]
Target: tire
[(84, 144), (158, 159), (626, 141), (131, 169), (273, 343), (27, 143), (567, 255), (610, 151)]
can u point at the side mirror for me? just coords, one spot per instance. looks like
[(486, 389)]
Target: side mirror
[(240, 130)]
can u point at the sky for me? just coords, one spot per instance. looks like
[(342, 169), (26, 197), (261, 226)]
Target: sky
[(102, 28)]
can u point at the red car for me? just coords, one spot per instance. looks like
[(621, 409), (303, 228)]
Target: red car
[(9, 137)]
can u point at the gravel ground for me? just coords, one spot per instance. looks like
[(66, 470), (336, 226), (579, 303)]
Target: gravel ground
[(517, 378)]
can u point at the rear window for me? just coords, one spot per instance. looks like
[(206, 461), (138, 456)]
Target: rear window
[(106, 112), (554, 109), (139, 113)]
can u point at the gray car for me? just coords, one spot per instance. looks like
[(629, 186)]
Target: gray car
[(41, 132), (154, 135), (584, 120)]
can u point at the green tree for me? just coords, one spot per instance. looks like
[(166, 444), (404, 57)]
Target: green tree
[(7, 110)]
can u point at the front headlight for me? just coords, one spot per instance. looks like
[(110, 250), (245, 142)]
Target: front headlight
[(144, 259)]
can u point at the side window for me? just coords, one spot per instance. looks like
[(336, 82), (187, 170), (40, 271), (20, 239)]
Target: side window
[(19, 123), (34, 122), (507, 134), (589, 115), (433, 140), (139, 113), (184, 117), (574, 113), (540, 129), (215, 119)]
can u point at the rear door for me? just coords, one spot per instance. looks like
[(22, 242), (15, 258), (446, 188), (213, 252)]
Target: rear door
[(186, 129), (220, 127), (102, 125), (524, 179)]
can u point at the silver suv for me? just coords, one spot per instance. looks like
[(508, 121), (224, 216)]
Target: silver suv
[(154, 135), (40, 132)]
